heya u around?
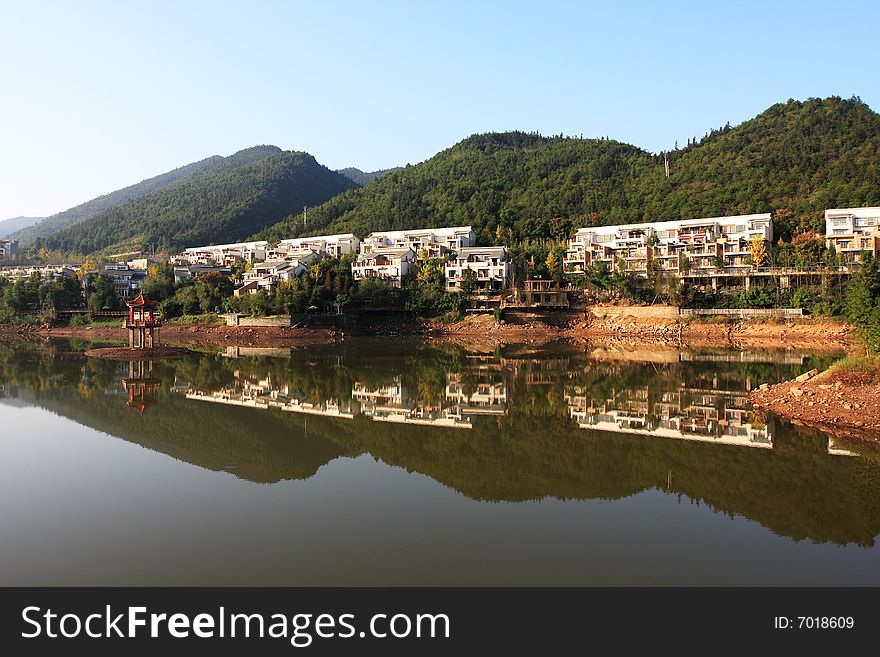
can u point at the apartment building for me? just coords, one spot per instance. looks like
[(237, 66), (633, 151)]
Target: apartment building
[(266, 275), (8, 248), (672, 245), (225, 254), (183, 274), (853, 231), (436, 242), (45, 271), (126, 280), (390, 264), (330, 245), (147, 262), (487, 266)]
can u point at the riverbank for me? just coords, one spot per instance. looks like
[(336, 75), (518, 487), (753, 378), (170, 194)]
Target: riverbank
[(187, 334), (641, 324), (843, 400)]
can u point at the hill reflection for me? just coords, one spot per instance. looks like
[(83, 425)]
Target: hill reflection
[(511, 425)]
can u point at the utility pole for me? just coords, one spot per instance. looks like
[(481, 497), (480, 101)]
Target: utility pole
[(305, 211), (666, 163)]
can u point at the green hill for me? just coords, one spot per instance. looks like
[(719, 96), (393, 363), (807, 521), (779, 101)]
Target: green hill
[(363, 177), (73, 216), (226, 201), (797, 157)]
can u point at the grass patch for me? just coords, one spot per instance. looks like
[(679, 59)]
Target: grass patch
[(21, 320), (83, 320), (858, 364), (206, 319), (860, 370)]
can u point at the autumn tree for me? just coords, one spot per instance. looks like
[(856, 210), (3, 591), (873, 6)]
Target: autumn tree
[(758, 249)]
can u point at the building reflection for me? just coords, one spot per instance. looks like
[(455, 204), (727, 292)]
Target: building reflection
[(602, 394), (706, 415), (253, 392)]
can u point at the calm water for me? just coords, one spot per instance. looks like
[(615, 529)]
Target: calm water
[(378, 462)]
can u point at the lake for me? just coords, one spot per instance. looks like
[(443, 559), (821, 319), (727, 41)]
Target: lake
[(396, 462)]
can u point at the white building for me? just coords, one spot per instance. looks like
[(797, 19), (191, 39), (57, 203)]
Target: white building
[(8, 248), (701, 243), (331, 245), (183, 274), (392, 265), (435, 241), (126, 280), (45, 272), (266, 275), (225, 254), (486, 265), (852, 231)]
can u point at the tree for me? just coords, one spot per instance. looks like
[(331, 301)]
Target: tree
[(211, 289), (431, 272), (467, 284), (23, 296), (872, 329), (758, 251), (862, 292), (102, 294), (63, 293), (598, 277), (807, 248), (554, 267), (159, 284)]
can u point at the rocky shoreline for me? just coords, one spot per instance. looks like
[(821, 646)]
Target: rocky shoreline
[(530, 327), (837, 402)]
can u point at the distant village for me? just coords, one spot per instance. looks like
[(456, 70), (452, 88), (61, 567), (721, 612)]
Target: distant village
[(710, 252)]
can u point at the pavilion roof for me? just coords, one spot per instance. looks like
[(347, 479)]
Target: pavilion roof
[(140, 301)]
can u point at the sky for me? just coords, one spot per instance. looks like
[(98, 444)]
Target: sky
[(100, 95)]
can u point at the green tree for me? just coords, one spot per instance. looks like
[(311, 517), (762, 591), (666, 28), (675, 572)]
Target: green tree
[(102, 294), (862, 292), (159, 283), (211, 289)]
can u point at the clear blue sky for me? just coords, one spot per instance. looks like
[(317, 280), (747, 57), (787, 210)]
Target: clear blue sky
[(99, 95)]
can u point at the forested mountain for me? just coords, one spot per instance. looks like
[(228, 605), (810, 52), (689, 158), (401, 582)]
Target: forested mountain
[(797, 158), (363, 177), (89, 209), (225, 202), (8, 226)]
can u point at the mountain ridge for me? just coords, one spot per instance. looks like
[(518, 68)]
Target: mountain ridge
[(225, 201), (9, 226), (364, 177), (796, 158)]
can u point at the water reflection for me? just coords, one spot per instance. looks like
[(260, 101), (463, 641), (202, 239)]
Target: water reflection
[(716, 410), (141, 385), (511, 424)]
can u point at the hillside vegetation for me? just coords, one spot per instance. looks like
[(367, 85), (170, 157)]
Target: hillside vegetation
[(89, 209), (227, 201), (796, 158), (363, 177)]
